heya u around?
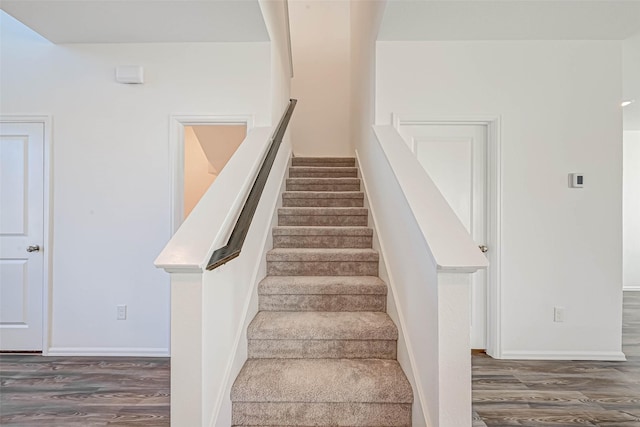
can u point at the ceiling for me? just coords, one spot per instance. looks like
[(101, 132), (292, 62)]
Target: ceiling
[(141, 21), (510, 20)]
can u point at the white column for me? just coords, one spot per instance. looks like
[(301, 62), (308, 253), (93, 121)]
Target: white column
[(454, 329), (186, 349)]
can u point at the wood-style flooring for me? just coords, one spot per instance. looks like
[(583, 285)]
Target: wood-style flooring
[(87, 391), (551, 393), (83, 391)]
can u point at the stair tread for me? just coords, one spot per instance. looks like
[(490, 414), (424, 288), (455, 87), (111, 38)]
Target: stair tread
[(322, 325), (324, 180), (323, 168), (323, 211), (319, 230), (319, 285), (322, 380), (323, 195), (323, 159), (322, 254), (323, 184)]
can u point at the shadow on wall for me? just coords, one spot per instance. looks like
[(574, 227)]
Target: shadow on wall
[(207, 149)]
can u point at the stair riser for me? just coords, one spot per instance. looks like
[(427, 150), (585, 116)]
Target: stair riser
[(322, 414), (322, 242), (325, 163), (322, 268), (322, 302), (358, 286), (323, 220), (322, 349), (310, 173), (319, 186), (322, 203)]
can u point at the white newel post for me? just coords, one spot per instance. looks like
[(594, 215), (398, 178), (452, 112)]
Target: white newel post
[(186, 349), (454, 330)]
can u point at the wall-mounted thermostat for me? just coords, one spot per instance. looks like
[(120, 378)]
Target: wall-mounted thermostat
[(576, 180)]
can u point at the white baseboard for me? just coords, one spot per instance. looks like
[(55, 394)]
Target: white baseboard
[(565, 355), (109, 351), (631, 288)]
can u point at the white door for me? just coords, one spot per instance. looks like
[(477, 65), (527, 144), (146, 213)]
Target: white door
[(455, 157), (21, 236)]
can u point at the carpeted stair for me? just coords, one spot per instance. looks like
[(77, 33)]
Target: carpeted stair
[(322, 350)]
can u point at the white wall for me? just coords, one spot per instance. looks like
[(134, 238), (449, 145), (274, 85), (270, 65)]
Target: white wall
[(276, 17), (366, 17), (111, 207), (409, 279), (559, 104), (631, 168), (631, 210), (320, 32), (631, 81)]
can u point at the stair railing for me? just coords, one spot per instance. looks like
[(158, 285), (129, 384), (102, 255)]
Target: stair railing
[(236, 240)]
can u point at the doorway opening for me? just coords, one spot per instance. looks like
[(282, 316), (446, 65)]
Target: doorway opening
[(200, 148), (207, 149)]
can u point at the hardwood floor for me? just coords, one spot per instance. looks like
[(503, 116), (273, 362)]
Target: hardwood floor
[(83, 391), (550, 393), (88, 391)]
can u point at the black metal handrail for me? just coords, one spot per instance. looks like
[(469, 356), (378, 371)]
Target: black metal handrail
[(234, 245)]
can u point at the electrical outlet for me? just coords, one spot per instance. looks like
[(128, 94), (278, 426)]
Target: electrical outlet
[(558, 314), (122, 312)]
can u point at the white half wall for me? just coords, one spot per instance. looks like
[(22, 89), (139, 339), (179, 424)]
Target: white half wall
[(320, 32), (559, 104), (110, 173), (631, 211)]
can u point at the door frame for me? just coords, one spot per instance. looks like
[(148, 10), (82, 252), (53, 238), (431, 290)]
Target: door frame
[(493, 207), (177, 122), (47, 282)]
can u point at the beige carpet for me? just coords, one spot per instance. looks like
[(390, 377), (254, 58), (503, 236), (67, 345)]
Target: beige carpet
[(322, 350)]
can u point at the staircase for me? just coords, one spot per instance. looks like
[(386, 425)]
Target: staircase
[(322, 350)]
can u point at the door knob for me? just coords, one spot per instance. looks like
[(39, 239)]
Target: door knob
[(484, 249), (33, 248)]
